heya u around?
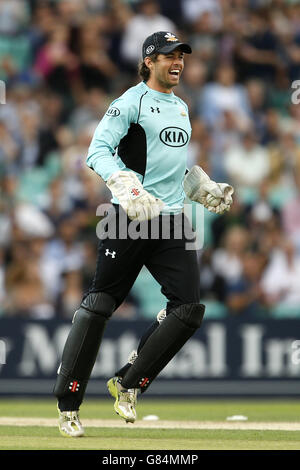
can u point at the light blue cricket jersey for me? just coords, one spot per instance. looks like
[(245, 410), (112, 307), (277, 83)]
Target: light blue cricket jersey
[(147, 132)]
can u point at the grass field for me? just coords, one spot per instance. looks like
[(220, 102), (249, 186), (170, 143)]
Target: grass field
[(182, 425)]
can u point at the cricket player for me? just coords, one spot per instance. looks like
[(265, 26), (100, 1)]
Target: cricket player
[(140, 150)]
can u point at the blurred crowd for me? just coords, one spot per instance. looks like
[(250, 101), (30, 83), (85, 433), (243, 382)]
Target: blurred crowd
[(64, 61)]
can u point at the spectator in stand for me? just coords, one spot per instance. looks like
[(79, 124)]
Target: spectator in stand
[(90, 104), (29, 153), (225, 135), (193, 10), (55, 63), (257, 52), (272, 128), (289, 149), (279, 93), (64, 252), (14, 41), (256, 92), (195, 75), (57, 201), (288, 35), (244, 295), (26, 295), (212, 286), (221, 225), (71, 157), (291, 123), (71, 12), (260, 212), (247, 165), (174, 11), (9, 149), (224, 94), (71, 293), (227, 259), (199, 145), (14, 15), (203, 39), (26, 286), (285, 161), (291, 215), (280, 283), (138, 26), (96, 69), (89, 246), (2, 282)]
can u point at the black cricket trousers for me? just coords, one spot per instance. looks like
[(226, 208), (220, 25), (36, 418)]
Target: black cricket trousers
[(161, 247)]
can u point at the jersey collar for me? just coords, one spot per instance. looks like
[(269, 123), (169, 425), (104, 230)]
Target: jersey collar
[(158, 94)]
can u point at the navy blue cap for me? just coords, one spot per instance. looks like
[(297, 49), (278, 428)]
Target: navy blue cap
[(163, 42)]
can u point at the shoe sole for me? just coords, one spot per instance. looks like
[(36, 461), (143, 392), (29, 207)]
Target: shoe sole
[(64, 434), (112, 388)]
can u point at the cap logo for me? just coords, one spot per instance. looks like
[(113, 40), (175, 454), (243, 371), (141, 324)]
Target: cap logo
[(171, 37), (150, 49)]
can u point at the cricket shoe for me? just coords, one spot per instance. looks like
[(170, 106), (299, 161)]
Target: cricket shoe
[(125, 400), (69, 424)]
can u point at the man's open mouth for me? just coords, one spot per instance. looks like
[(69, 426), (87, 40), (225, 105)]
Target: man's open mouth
[(175, 72)]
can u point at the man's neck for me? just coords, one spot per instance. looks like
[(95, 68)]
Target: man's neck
[(154, 85)]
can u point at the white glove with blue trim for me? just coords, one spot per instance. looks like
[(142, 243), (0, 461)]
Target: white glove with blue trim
[(215, 197)]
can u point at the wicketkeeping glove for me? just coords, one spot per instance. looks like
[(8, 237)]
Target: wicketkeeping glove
[(216, 197), (135, 200)]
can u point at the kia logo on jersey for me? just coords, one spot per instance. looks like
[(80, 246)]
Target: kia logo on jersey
[(174, 136)]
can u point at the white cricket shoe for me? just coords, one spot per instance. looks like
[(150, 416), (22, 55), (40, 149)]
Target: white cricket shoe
[(69, 424), (125, 400)]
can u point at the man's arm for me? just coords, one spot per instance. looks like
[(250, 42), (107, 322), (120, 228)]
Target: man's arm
[(124, 185), (112, 128)]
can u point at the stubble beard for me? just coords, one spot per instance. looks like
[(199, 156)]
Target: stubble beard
[(166, 84)]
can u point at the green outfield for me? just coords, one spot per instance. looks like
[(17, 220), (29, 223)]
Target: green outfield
[(182, 424)]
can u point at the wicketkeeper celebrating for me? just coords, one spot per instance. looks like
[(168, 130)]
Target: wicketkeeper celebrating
[(139, 148)]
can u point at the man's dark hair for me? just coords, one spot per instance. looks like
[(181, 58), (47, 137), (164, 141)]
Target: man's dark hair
[(143, 70)]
